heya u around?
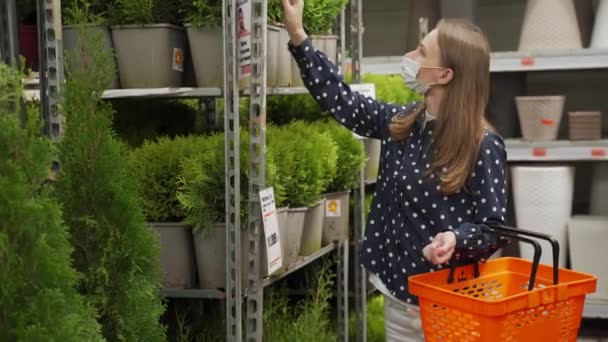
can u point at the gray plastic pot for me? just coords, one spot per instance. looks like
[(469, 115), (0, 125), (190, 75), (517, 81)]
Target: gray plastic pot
[(176, 255), (326, 44), (206, 46), (373, 148), (291, 234), (70, 42), (313, 229), (283, 60), (210, 250), (335, 221), (150, 56), (273, 40)]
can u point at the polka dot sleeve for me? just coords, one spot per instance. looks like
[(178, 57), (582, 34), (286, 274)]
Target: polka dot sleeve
[(363, 115), (489, 188)]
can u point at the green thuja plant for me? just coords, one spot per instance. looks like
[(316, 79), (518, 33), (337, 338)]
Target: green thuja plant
[(156, 166), (320, 15), (306, 162), (201, 182), (37, 280), (285, 109), (115, 251), (275, 12), (375, 320), (350, 155), (389, 88), (307, 320), (77, 12), (125, 12), (202, 13)]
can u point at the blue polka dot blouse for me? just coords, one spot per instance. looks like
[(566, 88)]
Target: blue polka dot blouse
[(408, 209)]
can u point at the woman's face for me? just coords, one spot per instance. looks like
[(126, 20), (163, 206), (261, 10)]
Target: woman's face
[(427, 54)]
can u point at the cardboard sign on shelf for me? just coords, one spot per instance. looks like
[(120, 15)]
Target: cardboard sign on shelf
[(244, 34), (271, 230)]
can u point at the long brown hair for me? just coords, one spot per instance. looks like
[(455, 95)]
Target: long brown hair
[(460, 123)]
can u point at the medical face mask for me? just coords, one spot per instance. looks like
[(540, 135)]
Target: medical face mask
[(409, 71)]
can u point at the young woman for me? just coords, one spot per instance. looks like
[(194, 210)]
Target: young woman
[(441, 183)]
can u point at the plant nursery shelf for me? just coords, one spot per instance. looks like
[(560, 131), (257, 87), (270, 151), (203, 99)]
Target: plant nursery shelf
[(595, 309), (188, 92), (511, 61), (560, 150), (302, 262), (192, 293)]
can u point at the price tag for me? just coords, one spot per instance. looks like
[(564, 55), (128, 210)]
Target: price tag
[(271, 230), (598, 152), (539, 152), (528, 61), (178, 60)]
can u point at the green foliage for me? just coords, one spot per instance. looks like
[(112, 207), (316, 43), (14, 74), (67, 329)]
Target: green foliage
[(284, 109), (350, 155), (37, 280), (201, 182), (275, 12), (320, 15), (389, 88), (114, 249), (78, 12), (375, 320), (202, 13), (138, 120), (123, 12), (308, 320), (156, 166), (307, 162)]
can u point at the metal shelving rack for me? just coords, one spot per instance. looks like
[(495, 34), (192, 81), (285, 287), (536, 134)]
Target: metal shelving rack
[(250, 299)]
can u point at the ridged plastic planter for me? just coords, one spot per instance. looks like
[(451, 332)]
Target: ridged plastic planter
[(373, 148), (550, 25), (210, 250), (178, 265), (335, 222), (150, 56), (585, 125), (206, 46), (540, 116), (599, 38), (70, 41), (587, 237), (291, 234), (543, 202), (273, 40), (599, 189), (313, 229)]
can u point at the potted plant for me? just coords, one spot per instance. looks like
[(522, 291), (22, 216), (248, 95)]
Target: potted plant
[(278, 38), (307, 166), (86, 20), (319, 20), (156, 166), (151, 51), (201, 193), (350, 160)]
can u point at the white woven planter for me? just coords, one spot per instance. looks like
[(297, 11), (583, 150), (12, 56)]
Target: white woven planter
[(548, 25), (543, 203), (599, 190), (599, 39), (540, 116), (588, 236)]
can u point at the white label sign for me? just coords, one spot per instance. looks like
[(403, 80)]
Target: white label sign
[(332, 208), (271, 230), (244, 34)]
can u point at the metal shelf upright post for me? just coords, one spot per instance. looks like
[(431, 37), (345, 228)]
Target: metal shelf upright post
[(356, 44), (234, 329)]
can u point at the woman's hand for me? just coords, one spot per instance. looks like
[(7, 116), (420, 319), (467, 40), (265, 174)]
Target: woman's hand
[(440, 250), (293, 11)]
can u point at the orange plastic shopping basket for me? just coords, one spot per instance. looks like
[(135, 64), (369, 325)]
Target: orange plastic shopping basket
[(506, 299)]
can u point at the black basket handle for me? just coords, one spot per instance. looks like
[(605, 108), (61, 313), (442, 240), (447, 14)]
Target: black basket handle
[(535, 263), (554, 244)]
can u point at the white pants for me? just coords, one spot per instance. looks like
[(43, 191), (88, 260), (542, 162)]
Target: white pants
[(402, 321)]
